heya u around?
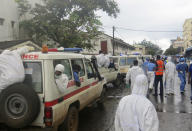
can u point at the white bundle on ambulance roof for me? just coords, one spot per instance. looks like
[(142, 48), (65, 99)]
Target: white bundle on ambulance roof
[(11, 67), (100, 60), (103, 60), (107, 60)]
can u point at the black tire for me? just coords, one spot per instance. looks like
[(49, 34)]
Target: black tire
[(118, 81), (103, 96), (100, 103), (20, 105), (72, 120)]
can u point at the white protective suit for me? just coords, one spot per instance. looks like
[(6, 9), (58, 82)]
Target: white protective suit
[(61, 80), (132, 74), (135, 112), (11, 67), (151, 78), (103, 60), (107, 60), (100, 60), (170, 71)]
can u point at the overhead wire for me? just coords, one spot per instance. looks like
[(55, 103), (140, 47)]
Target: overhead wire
[(142, 30)]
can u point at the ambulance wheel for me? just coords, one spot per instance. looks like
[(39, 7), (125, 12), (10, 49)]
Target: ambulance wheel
[(19, 104), (118, 80), (72, 120)]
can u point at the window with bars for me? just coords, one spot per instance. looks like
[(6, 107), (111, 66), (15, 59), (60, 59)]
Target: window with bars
[(2, 21)]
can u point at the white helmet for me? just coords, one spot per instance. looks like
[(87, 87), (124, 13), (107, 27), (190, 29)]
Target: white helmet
[(60, 68)]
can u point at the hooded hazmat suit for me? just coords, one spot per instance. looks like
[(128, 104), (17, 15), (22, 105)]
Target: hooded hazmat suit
[(135, 112), (62, 79), (170, 71), (11, 67), (151, 74), (132, 74)]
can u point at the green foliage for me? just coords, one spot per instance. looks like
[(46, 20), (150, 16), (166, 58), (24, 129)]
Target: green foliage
[(67, 22), (172, 51), (23, 6), (151, 48)]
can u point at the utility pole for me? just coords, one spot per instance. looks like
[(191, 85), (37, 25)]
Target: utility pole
[(113, 40)]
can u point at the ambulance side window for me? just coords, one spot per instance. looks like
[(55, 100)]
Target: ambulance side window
[(89, 69), (122, 62), (79, 63), (67, 66)]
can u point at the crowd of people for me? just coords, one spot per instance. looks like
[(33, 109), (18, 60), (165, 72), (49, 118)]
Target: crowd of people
[(163, 71), (135, 112)]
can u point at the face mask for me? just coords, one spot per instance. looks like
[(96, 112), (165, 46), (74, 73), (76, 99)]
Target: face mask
[(57, 76)]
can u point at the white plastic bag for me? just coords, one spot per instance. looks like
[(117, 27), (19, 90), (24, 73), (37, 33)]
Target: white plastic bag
[(100, 60), (11, 67), (107, 61)]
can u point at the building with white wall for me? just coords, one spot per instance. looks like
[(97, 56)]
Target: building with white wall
[(139, 49), (176, 43), (9, 19), (187, 33), (104, 42)]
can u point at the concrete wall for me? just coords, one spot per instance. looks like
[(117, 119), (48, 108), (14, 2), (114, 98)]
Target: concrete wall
[(97, 45), (119, 48), (9, 12)]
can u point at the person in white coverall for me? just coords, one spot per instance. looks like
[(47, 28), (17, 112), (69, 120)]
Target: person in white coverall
[(11, 66), (61, 79), (133, 72), (135, 112), (170, 71), (151, 74)]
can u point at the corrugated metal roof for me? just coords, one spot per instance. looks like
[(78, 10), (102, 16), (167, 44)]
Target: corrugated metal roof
[(7, 44)]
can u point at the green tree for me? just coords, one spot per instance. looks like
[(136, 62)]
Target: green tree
[(172, 51), (151, 48), (67, 22)]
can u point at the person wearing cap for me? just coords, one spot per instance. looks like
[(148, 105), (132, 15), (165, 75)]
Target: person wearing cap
[(61, 79), (182, 68), (135, 112), (159, 75)]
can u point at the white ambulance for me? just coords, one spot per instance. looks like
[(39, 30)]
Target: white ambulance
[(38, 104)]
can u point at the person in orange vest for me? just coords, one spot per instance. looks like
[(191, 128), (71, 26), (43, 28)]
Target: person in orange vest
[(159, 75)]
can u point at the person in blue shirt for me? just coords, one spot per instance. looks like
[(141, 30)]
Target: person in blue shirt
[(145, 64), (151, 74), (112, 64), (190, 79), (165, 60), (76, 70), (182, 68)]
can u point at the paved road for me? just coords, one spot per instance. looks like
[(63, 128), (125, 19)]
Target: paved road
[(174, 112)]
